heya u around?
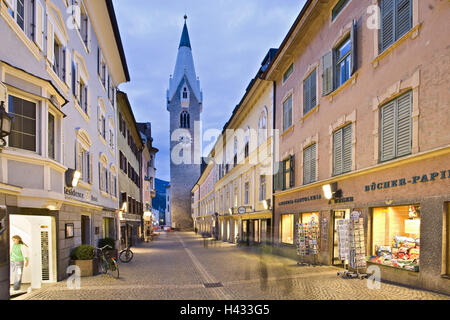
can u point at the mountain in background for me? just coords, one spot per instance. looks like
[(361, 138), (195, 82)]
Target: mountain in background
[(159, 201)]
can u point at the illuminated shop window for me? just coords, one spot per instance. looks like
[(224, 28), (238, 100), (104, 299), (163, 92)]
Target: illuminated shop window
[(287, 228), (308, 217), (396, 237)]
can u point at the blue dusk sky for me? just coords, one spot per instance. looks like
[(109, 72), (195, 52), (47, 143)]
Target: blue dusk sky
[(229, 39)]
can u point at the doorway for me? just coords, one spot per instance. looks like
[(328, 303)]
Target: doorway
[(39, 235), (85, 230), (338, 215)]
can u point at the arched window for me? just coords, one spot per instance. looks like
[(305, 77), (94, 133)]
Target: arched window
[(185, 120), (185, 93), (262, 127)]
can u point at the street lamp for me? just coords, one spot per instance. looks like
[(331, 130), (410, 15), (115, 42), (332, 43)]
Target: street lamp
[(5, 124), (72, 178), (331, 191)]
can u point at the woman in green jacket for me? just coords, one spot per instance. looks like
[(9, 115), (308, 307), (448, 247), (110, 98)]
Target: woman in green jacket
[(18, 259)]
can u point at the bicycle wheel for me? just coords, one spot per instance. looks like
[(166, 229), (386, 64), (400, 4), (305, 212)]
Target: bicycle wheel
[(103, 266), (114, 268), (126, 256)]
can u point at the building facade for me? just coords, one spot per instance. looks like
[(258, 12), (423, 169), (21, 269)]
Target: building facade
[(60, 65), (203, 202), (184, 103), (130, 147), (367, 108)]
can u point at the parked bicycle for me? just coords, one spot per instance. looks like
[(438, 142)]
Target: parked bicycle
[(126, 255), (107, 264)]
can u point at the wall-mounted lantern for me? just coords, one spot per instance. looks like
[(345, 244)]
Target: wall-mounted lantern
[(331, 191), (72, 178)]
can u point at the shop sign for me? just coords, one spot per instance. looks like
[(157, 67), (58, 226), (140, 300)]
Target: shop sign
[(432, 177), (342, 200), (242, 210), (73, 193), (300, 200)]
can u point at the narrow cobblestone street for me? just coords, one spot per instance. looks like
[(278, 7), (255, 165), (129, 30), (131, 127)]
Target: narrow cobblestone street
[(179, 266)]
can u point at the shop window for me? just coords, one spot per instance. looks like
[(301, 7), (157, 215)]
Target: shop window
[(396, 237), (23, 131), (308, 217), (287, 228), (448, 239)]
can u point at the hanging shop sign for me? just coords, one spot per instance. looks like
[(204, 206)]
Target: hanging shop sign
[(432, 177), (300, 200)]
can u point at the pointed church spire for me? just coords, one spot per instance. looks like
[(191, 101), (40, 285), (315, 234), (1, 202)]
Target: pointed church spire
[(185, 41), (184, 68)]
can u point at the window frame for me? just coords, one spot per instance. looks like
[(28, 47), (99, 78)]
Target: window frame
[(308, 81), (288, 72), (289, 98), (338, 61), (341, 130), (396, 37), (292, 233), (338, 8), (313, 177)]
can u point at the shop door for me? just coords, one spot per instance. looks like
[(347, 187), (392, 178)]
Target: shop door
[(4, 255), (245, 231), (338, 214), (264, 231), (85, 230)]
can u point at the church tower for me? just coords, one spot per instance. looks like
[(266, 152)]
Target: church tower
[(184, 103)]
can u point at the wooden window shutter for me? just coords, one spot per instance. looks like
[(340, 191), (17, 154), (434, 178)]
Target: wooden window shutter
[(306, 166), (91, 176), (39, 18), (313, 150), (98, 61), (337, 152), (306, 96), (292, 173), (327, 73), (388, 132), (403, 17), (50, 41), (347, 158), (76, 155), (353, 39), (68, 67), (404, 125), (387, 32), (313, 88)]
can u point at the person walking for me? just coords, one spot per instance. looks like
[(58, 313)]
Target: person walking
[(19, 260)]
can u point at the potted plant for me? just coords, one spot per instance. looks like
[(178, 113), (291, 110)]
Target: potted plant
[(83, 257), (113, 252)]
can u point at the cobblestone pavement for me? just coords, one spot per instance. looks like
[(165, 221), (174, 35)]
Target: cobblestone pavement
[(176, 266)]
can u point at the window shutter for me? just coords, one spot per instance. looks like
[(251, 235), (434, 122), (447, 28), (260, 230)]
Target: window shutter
[(313, 149), (388, 131), (99, 117), (313, 88), (91, 175), (50, 41), (88, 167), (353, 37), (337, 152), (100, 176), (306, 96), (327, 73), (68, 67), (387, 24), (63, 54), (98, 61), (74, 79), (347, 149), (76, 155), (39, 19), (306, 166), (292, 173), (403, 18), (404, 125)]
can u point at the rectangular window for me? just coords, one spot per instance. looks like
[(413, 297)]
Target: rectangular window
[(287, 228), (309, 164), (287, 114), (286, 173), (396, 128), (20, 14), (83, 97), (262, 188), (23, 131), (309, 217), (342, 150), (396, 237), (288, 72), (396, 20), (309, 93), (84, 28), (338, 8), (51, 136), (343, 62), (246, 193), (448, 239)]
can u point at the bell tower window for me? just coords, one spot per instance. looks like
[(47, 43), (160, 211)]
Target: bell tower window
[(185, 122)]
